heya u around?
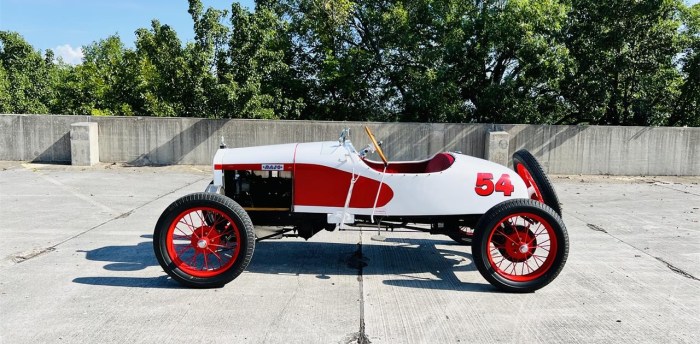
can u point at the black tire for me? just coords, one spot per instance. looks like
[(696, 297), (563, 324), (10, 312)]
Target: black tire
[(229, 243), (534, 169), (517, 222)]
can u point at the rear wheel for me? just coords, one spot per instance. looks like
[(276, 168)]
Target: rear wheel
[(537, 182), (462, 235), (520, 245), (204, 240)]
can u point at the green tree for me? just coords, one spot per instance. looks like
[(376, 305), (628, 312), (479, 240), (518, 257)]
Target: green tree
[(99, 85), (254, 78), (5, 96), (163, 70), (687, 104), (200, 60), (624, 52), (28, 76)]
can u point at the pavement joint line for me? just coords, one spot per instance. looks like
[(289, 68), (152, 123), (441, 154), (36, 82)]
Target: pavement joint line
[(677, 270), (670, 266), (683, 191), (596, 228), (361, 335), (120, 216)]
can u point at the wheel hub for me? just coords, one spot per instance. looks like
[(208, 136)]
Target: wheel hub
[(203, 237), (517, 244), (523, 248)]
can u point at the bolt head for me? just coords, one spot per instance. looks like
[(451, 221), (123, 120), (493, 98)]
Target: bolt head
[(202, 243)]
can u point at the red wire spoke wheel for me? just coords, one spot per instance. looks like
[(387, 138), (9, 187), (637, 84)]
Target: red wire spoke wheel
[(537, 182), (199, 248), (515, 251), (520, 245), (204, 240)]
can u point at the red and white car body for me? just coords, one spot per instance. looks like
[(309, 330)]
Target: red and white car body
[(511, 218), (446, 184)]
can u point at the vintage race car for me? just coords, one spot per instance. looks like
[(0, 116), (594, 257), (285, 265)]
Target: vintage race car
[(511, 218)]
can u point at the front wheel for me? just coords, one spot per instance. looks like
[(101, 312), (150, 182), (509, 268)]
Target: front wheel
[(204, 240), (520, 245)]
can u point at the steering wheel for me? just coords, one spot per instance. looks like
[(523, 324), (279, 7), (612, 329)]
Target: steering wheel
[(376, 145)]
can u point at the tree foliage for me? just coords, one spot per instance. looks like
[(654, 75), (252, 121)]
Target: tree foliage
[(623, 62)]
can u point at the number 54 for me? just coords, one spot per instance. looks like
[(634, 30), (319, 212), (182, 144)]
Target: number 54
[(485, 185)]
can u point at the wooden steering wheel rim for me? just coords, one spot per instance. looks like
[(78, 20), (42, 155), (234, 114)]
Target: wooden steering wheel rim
[(376, 145)]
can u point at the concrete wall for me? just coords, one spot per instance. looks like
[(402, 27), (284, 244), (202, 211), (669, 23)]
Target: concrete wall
[(561, 149)]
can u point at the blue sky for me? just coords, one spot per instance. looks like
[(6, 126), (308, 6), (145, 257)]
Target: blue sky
[(66, 25)]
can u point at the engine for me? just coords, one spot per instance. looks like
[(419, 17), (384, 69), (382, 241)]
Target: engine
[(260, 190)]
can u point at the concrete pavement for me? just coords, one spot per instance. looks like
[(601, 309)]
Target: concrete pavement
[(77, 266)]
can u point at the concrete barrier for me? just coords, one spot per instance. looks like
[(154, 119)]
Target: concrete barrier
[(84, 145), (497, 147), (560, 149)]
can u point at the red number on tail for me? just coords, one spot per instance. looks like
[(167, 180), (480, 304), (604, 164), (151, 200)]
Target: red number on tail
[(503, 185), (485, 185)]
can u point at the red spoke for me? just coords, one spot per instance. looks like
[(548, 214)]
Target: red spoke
[(517, 233), (219, 219), (543, 229), (542, 242), (225, 231), (528, 266), (511, 263), (206, 262), (500, 262), (537, 262), (191, 227), (194, 231), (184, 249), (224, 246), (193, 260), (507, 237), (201, 218), (217, 256), (188, 235)]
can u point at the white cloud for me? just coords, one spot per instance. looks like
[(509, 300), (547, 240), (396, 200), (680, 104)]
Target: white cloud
[(69, 54)]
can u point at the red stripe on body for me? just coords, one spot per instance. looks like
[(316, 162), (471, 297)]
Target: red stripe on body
[(321, 186)]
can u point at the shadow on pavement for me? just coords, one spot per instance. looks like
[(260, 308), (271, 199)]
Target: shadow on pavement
[(399, 261)]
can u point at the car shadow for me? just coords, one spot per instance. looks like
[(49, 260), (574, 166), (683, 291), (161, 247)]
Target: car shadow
[(400, 262)]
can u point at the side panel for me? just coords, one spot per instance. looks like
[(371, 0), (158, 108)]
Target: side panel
[(322, 186)]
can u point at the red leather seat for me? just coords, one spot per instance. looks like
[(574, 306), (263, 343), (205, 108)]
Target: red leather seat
[(439, 162)]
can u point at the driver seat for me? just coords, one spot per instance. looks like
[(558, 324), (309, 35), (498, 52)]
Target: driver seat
[(439, 163)]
